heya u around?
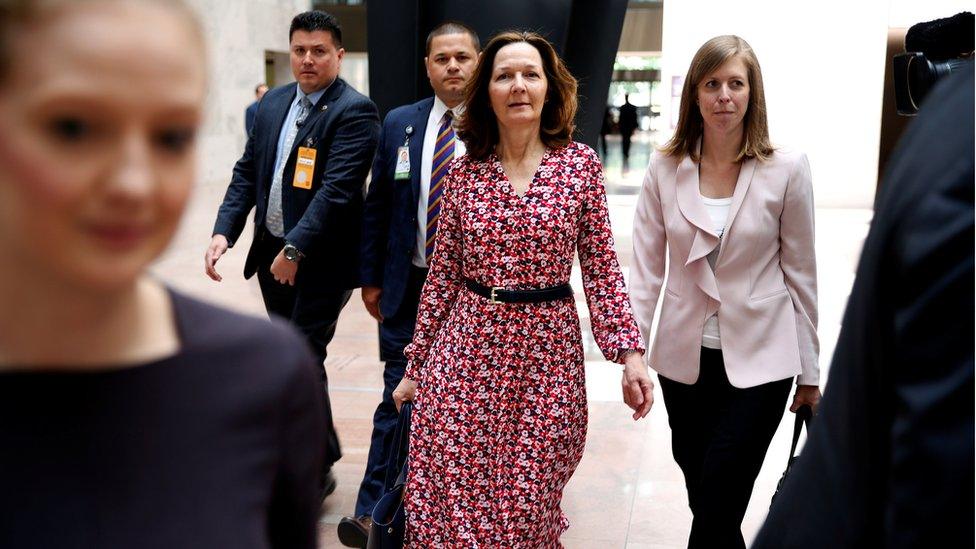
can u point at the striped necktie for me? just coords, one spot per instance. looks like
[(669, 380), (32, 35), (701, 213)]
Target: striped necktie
[(443, 154)]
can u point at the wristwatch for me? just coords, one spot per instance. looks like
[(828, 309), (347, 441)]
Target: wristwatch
[(292, 254)]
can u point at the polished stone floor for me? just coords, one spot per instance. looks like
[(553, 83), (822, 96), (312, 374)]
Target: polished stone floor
[(628, 492)]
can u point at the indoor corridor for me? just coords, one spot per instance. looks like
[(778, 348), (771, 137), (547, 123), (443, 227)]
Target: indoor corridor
[(627, 492)]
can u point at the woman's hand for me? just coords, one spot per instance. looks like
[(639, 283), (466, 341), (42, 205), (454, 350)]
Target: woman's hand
[(637, 385), (404, 392), (806, 395)]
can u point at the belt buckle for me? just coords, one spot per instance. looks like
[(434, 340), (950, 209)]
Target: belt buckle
[(494, 297)]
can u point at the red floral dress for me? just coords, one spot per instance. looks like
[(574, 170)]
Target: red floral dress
[(500, 416)]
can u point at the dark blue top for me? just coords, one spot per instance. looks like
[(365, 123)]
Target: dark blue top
[(249, 115), (217, 447)]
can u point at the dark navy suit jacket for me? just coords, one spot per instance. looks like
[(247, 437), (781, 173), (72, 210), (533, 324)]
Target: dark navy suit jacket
[(390, 219), (249, 114), (324, 222)]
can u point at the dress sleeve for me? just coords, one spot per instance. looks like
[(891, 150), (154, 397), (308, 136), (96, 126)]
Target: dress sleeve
[(443, 280), (611, 318), (294, 507)]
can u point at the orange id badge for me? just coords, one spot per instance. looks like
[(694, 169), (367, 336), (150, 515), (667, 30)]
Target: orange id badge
[(304, 168)]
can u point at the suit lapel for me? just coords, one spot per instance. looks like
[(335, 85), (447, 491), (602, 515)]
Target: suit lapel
[(279, 111), (319, 112), (419, 123)]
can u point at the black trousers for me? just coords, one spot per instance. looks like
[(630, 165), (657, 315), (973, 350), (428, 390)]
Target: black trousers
[(312, 307), (719, 437), (625, 144), (396, 332)]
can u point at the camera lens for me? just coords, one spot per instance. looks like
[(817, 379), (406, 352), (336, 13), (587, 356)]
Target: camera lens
[(921, 75)]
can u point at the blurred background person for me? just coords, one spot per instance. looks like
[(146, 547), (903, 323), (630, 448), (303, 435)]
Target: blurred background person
[(399, 226), (496, 363), (132, 416), (304, 171), (627, 123), (889, 460), (739, 314), (252, 109)]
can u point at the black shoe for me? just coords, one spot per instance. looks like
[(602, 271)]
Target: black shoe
[(328, 485), (354, 531)]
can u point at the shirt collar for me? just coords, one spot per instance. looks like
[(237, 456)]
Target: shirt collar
[(440, 108), (312, 97)]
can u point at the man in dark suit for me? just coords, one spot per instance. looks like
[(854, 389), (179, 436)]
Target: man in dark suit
[(417, 145), (304, 168), (889, 458), (627, 124), (252, 109)]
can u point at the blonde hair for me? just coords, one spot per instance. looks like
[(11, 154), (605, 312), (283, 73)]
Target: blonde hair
[(16, 15), (710, 56)]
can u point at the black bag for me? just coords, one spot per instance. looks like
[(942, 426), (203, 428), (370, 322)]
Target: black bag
[(389, 520), (803, 415)]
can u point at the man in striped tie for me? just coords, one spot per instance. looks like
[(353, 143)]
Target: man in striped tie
[(417, 145)]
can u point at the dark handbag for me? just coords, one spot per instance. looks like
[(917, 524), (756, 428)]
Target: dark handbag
[(389, 519), (803, 416)]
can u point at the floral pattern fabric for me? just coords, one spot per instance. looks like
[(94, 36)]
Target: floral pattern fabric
[(500, 416)]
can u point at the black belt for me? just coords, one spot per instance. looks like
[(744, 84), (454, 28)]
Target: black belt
[(501, 295)]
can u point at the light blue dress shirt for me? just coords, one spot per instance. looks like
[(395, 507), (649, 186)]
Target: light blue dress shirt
[(290, 120)]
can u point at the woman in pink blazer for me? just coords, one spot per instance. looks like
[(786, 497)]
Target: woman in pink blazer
[(732, 220)]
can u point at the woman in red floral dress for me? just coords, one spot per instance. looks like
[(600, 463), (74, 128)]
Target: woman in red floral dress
[(500, 415)]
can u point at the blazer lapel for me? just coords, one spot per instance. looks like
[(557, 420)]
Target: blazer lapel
[(693, 209), (741, 186), (419, 123), (705, 239)]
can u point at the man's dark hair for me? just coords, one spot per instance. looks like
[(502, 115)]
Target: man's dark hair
[(452, 27), (315, 20)]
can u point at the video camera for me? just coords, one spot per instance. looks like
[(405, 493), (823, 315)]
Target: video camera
[(934, 49)]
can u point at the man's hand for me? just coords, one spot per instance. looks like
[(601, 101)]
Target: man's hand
[(806, 395), (284, 270), (371, 299), (218, 245)]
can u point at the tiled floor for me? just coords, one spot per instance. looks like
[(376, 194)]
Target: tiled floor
[(627, 492)]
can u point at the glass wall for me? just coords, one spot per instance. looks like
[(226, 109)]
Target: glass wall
[(639, 76)]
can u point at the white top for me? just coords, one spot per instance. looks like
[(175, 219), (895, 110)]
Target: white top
[(718, 212), (426, 165)]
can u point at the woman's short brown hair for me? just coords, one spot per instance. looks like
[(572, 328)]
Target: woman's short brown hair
[(712, 55), (478, 127)]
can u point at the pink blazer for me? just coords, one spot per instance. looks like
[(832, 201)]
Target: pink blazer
[(764, 286)]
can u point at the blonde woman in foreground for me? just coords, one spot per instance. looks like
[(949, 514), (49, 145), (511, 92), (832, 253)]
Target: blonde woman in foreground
[(132, 416)]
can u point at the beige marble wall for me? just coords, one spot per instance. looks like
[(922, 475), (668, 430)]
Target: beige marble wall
[(238, 34)]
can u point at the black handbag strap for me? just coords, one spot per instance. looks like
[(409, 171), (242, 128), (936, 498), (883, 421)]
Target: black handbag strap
[(396, 467), (803, 416)]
